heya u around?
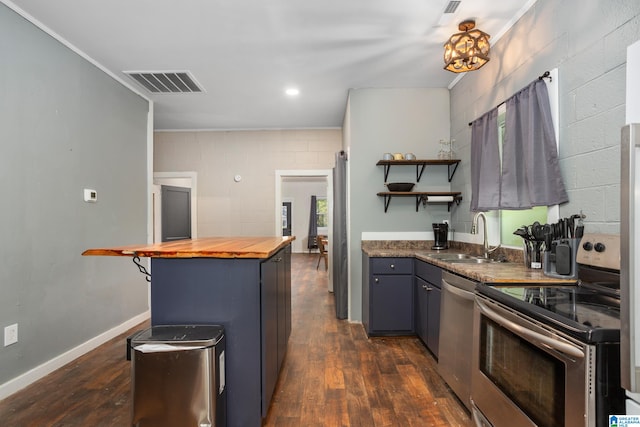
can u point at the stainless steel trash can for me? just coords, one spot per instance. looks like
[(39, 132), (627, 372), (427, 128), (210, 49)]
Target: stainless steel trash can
[(177, 376)]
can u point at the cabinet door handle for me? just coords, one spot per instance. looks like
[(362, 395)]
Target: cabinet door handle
[(376, 280), (393, 266)]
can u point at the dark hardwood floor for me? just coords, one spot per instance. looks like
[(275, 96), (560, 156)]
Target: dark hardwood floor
[(332, 376)]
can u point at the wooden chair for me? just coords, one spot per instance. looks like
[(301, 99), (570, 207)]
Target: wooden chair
[(323, 252)]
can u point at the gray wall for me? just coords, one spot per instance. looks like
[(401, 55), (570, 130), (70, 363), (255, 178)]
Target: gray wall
[(391, 120), (586, 41), (65, 126)]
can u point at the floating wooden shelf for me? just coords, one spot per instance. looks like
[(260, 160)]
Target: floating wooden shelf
[(421, 197), (451, 164)]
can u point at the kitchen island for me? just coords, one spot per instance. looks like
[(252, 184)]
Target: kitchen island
[(241, 283)]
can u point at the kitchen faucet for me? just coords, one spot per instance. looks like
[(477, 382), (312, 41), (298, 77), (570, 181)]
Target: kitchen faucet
[(474, 230)]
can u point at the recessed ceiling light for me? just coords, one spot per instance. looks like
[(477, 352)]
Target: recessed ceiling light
[(292, 91)]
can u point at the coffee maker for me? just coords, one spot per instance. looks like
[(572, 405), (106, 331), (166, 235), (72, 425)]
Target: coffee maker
[(440, 234)]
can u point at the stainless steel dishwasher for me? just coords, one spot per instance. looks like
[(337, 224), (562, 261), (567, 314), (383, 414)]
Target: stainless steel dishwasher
[(456, 334)]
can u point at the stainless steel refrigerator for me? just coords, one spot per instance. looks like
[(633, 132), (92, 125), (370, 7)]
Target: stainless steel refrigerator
[(629, 272), (630, 236)]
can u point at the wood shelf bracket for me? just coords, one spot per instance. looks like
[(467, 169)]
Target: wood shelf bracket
[(419, 170), (451, 172)]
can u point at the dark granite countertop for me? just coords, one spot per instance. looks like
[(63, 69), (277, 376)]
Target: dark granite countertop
[(512, 271)]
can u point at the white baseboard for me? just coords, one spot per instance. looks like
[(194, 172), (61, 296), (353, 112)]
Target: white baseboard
[(57, 362)]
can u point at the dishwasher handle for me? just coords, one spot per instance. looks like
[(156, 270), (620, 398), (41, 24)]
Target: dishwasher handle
[(558, 345), (469, 296)]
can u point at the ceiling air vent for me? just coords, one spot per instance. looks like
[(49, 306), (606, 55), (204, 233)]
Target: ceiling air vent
[(452, 6), (166, 81)]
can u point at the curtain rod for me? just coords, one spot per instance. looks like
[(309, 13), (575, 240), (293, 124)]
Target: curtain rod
[(545, 75)]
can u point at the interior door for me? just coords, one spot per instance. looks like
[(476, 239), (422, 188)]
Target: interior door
[(175, 213)]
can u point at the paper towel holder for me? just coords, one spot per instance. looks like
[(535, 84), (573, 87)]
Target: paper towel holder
[(423, 197), (449, 199), (436, 199)]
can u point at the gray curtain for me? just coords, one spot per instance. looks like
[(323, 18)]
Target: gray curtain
[(485, 162), (339, 240), (530, 169), (313, 224)]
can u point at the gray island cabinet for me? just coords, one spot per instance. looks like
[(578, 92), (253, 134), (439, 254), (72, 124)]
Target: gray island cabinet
[(238, 286)]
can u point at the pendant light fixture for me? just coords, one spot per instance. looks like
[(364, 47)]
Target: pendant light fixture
[(468, 50)]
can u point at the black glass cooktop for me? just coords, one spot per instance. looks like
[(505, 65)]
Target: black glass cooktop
[(589, 312)]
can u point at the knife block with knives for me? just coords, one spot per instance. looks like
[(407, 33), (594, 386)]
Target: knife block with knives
[(562, 241), (559, 259)]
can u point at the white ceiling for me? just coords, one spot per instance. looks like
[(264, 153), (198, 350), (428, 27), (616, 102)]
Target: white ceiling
[(246, 52)]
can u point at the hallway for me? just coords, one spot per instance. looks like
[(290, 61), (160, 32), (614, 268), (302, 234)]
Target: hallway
[(332, 376)]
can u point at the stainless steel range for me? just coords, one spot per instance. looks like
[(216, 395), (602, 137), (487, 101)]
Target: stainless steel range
[(548, 356)]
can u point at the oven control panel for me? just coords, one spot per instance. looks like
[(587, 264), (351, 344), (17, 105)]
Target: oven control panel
[(600, 250)]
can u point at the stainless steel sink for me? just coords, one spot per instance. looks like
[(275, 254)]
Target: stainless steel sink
[(470, 261), (460, 258), (451, 256)]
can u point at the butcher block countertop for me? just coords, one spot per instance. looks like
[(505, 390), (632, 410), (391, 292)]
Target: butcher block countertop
[(205, 247)]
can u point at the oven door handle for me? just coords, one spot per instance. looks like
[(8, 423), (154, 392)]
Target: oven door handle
[(514, 327)]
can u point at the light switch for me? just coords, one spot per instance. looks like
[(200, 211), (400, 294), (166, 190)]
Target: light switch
[(90, 196)]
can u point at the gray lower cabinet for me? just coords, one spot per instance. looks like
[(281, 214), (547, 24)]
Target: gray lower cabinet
[(428, 279), (388, 296)]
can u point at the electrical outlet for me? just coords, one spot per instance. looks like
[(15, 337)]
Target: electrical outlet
[(11, 334)]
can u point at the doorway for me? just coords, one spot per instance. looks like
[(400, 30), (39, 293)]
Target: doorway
[(174, 179), (175, 213), (313, 175)]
